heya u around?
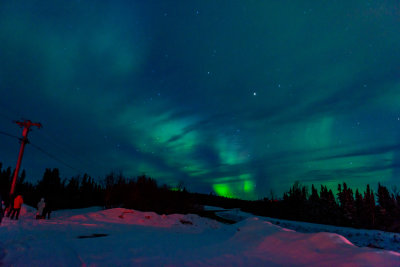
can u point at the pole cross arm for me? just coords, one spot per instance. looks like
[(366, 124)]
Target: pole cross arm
[(28, 124)]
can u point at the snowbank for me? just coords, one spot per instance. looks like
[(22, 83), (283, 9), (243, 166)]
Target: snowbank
[(121, 237)]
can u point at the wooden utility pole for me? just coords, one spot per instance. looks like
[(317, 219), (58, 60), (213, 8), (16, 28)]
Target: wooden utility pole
[(26, 125)]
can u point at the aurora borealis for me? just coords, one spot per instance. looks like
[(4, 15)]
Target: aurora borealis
[(239, 98)]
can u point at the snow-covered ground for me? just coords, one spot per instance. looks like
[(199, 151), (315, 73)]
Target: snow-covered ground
[(359, 237), (121, 237)]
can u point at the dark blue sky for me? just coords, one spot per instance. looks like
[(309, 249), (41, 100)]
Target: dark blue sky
[(235, 97)]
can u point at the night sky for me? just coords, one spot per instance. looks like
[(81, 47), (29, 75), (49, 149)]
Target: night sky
[(233, 97)]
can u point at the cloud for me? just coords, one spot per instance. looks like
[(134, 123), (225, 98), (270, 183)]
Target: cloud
[(366, 151)]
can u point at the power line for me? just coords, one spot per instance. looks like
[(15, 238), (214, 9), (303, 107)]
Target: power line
[(43, 151), (57, 143), (9, 135), (65, 149), (55, 158)]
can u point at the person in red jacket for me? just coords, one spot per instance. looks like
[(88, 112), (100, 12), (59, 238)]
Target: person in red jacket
[(17, 207)]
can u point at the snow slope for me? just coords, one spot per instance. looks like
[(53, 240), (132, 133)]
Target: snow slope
[(121, 237), (359, 237)]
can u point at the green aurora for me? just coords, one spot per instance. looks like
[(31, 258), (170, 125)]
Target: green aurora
[(239, 98)]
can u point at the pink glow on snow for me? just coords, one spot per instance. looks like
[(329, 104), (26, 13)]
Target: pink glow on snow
[(120, 237)]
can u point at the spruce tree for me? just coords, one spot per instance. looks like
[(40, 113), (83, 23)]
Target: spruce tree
[(369, 207), (386, 203), (359, 207)]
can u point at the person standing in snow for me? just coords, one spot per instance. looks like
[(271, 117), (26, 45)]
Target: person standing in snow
[(17, 207), (47, 211), (40, 207)]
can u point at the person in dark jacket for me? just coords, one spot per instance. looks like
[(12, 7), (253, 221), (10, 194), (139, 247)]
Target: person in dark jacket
[(18, 201), (47, 210)]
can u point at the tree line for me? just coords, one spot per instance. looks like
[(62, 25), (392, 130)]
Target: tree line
[(380, 210), (141, 193), (369, 210)]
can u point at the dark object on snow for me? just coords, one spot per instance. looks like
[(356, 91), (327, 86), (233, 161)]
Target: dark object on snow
[(125, 212), (185, 222), (92, 236), (212, 215), (370, 245)]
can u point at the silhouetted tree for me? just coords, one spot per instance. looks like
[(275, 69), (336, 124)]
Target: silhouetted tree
[(295, 201), (359, 207), (387, 206), (329, 207), (144, 193), (346, 201), (369, 207)]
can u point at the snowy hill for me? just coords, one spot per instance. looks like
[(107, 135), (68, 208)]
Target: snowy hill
[(359, 237), (121, 237)]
